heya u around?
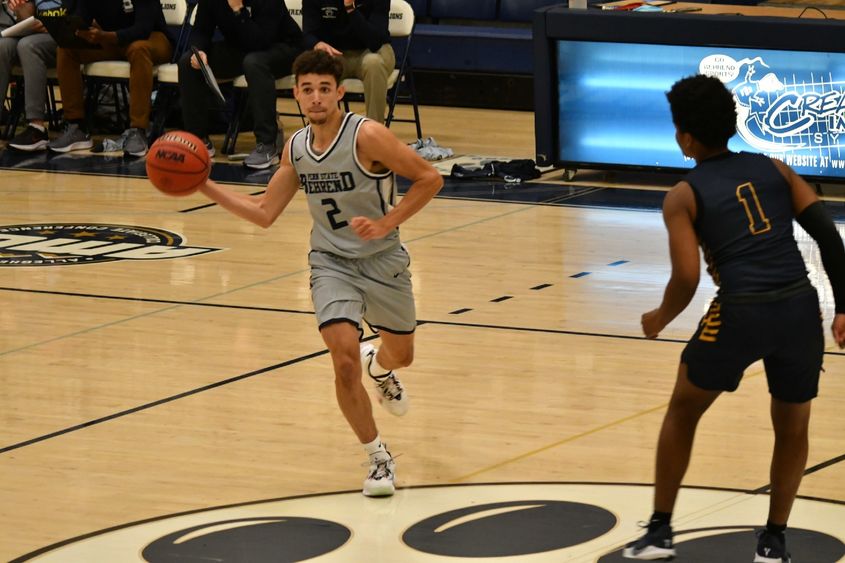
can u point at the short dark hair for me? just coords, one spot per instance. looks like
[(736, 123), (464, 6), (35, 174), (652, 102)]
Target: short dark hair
[(318, 62), (704, 108)]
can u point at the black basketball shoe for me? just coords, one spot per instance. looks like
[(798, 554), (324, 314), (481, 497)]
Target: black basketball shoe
[(652, 546), (771, 548)]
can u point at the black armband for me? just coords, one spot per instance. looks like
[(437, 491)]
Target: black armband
[(818, 224)]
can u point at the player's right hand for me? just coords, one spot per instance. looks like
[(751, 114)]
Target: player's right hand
[(652, 323), (203, 56), (838, 329)]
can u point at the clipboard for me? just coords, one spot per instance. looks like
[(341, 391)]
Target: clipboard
[(208, 76), (63, 29)]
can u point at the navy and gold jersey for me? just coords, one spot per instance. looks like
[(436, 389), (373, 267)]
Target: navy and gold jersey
[(744, 223)]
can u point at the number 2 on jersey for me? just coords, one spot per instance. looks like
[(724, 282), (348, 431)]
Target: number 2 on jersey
[(332, 212), (758, 223)]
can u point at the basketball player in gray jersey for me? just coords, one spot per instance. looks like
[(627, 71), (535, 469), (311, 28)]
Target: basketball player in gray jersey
[(345, 164)]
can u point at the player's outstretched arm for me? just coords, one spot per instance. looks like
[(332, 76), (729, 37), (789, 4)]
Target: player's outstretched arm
[(378, 148), (263, 209), (814, 218), (678, 215)]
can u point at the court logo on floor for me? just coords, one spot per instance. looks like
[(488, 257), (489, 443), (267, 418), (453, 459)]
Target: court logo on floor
[(525, 522), (68, 244)]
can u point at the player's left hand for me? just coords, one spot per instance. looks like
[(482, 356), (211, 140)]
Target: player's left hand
[(652, 323), (368, 229), (838, 329)]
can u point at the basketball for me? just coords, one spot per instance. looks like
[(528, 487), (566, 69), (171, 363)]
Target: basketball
[(178, 163)]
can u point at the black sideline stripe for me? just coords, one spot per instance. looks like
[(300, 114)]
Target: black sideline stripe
[(541, 286), (150, 300), (548, 330), (813, 469), (580, 275), (618, 263), (198, 207), (161, 401), (420, 322), (212, 204), (502, 298), (822, 465)]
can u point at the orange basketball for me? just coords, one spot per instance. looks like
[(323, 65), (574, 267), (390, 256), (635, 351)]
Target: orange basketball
[(178, 163)]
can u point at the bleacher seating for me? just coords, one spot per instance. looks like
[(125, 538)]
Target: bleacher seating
[(491, 36), (520, 10), (463, 9), (419, 6)]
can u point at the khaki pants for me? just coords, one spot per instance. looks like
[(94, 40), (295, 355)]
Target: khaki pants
[(373, 69), (142, 55)]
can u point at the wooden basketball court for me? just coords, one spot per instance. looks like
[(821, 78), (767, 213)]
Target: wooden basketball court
[(135, 389)]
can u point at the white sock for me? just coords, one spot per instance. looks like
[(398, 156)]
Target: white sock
[(39, 127), (376, 369), (376, 449)]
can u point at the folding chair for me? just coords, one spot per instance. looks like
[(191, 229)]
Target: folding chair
[(116, 73), (13, 106), (241, 89), (167, 75), (401, 26), (17, 102)]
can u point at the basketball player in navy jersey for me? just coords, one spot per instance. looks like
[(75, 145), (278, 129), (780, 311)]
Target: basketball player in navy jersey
[(739, 207), (345, 164)]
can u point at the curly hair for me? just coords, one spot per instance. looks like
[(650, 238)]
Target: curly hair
[(318, 62), (704, 108)]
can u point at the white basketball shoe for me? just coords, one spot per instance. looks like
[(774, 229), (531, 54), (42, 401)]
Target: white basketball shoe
[(391, 394), (380, 481)]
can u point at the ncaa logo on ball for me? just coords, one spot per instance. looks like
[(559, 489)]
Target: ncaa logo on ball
[(67, 244), (164, 154)]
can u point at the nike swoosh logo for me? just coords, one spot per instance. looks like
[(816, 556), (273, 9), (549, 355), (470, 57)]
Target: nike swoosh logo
[(297, 158)]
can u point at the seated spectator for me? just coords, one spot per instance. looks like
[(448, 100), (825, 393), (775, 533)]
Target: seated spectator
[(35, 53), (357, 31), (130, 30), (259, 40)]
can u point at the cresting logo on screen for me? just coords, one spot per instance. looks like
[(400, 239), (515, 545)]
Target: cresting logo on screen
[(799, 120)]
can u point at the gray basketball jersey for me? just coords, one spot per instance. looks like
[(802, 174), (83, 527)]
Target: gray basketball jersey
[(338, 188)]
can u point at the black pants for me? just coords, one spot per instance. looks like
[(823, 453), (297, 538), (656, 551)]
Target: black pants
[(261, 69)]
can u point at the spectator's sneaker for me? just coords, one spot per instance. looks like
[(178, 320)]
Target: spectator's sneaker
[(262, 156), (391, 393), (380, 481), (652, 546), (31, 139), (73, 138), (136, 142), (771, 548), (210, 146)]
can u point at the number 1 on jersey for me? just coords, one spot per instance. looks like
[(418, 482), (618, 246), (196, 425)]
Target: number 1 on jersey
[(332, 212), (758, 223)]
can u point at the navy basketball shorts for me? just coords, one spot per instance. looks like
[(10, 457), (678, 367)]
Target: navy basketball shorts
[(786, 334)]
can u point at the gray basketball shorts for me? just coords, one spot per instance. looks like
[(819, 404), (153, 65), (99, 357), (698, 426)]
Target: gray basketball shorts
[(376, 289)]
